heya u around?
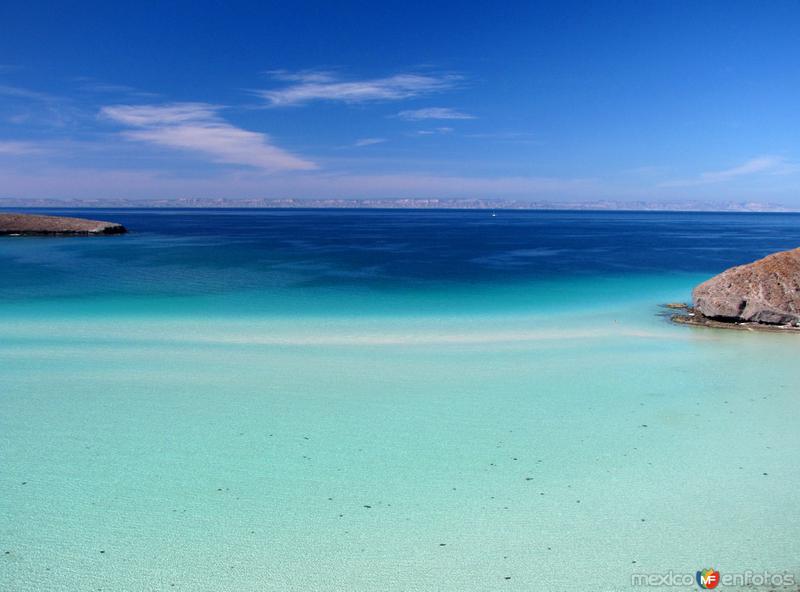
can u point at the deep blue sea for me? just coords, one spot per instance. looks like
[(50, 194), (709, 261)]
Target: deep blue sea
[(224, 251), (389, 400)]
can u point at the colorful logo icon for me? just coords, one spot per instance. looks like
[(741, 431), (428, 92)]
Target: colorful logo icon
[(708, 579)]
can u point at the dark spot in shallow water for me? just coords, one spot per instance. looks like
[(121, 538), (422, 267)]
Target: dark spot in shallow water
[(366, 506), (507, 578)]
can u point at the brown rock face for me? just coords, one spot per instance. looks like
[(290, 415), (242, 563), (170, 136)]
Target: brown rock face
[(29, 224), (766, 291)]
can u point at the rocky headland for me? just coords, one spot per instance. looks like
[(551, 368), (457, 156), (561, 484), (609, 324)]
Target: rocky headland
[(764, 295), (35, 225)]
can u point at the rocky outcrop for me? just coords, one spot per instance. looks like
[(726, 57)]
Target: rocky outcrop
[(29, 224), (766, 292)]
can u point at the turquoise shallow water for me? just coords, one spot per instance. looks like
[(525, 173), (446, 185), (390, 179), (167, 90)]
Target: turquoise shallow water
[(546, 433)]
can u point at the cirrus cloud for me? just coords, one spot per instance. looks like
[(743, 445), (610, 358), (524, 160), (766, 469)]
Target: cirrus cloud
[(360, 143), (433, 113), (767, 164), (14, 148), (197, 127), (325, 86)]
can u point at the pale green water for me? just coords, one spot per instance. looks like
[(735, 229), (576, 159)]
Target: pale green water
[(211, 403), (236, 449)]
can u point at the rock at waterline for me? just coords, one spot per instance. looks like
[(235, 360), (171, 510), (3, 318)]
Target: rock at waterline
[(765, 292), (36, 225)]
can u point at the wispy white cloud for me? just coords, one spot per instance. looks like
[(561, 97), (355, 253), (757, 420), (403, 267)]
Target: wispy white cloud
[(368, 142), (165, 114), (21, 105), (506, 136), (302, 75), (772, 165), (762, 164), (197, 127), (436, 130), (324, 86), (433, 113), (24, 93), (13, 148)]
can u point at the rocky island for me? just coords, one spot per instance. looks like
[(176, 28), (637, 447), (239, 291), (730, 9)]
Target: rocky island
[(764, 294), (35, 225)]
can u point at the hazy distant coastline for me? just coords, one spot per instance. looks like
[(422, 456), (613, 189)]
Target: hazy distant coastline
[(417, 203)]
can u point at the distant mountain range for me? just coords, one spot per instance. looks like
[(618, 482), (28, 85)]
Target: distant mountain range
[(399, 203)]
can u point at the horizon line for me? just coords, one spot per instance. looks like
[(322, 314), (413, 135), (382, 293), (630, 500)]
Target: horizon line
[(401, 203)]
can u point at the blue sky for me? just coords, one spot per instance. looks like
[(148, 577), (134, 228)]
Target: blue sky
[(548, 101)]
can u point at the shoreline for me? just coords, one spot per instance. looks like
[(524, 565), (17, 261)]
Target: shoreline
[(20, 224), (689, 316)]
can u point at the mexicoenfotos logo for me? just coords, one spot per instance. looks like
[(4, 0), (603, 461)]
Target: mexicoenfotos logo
[(708, 579)]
